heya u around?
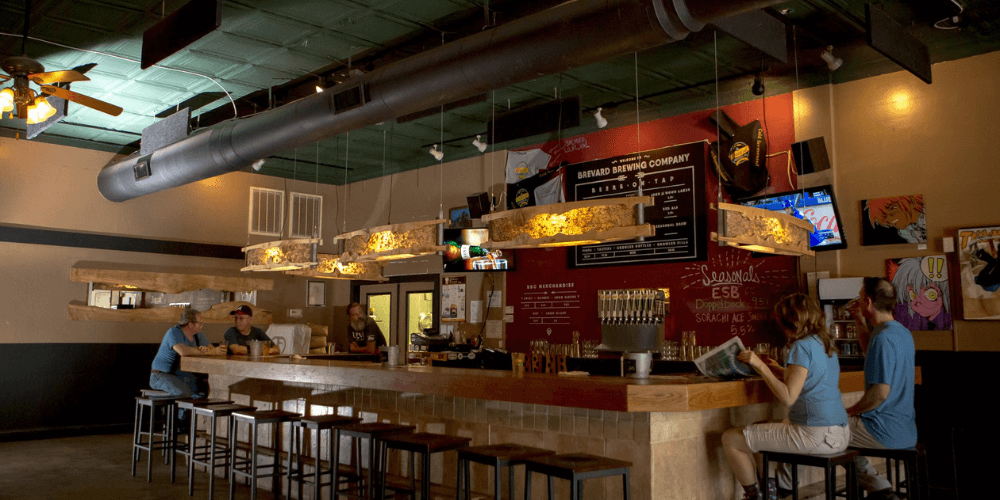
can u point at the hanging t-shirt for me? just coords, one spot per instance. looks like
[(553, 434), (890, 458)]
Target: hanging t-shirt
[(542, 189), (524, 164)]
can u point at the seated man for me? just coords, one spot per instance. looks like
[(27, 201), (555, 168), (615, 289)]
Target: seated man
[(236, 337), (884, 417), (184, 339), (363, 334)]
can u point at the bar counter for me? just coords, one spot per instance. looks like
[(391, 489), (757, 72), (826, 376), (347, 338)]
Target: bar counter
[(659, 393), (669, 427)]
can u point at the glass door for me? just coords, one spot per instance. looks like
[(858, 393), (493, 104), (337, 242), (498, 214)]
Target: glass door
[(400, 309)]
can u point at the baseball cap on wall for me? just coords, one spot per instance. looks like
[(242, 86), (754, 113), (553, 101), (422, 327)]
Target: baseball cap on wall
[(242, 310)]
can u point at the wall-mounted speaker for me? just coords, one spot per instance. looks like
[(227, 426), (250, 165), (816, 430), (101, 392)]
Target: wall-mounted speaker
[(810, 156)]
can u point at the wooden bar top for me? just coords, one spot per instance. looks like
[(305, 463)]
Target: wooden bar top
[(673, 393)]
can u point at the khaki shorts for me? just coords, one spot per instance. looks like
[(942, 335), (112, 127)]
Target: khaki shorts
[(786, 437)]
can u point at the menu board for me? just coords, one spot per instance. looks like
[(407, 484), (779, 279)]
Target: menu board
[(550, 303), (675, 177)]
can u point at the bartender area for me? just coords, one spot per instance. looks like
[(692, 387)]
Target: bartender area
[(601, 250)]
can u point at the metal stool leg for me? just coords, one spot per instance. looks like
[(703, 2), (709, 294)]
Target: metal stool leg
[(527, 483), (625, 486), (136, 434)]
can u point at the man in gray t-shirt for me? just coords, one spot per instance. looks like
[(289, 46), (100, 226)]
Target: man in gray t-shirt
[(236, 337)]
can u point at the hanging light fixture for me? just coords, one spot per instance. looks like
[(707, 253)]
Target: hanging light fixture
[(832, 62), (572, 223), (760, 230), (281, 255), (330, 267), (391, 242)]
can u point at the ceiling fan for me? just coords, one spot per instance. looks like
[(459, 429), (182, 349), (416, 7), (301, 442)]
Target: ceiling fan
[(22, 100)]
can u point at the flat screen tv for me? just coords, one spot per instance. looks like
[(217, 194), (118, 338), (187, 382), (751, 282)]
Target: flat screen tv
[(816, 205), (468, 251)]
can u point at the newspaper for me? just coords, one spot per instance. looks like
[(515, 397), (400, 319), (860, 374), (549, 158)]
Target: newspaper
[(721, 362)]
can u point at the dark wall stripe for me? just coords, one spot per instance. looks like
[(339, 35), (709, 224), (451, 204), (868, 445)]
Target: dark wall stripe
[(63, 386), (36, 236)]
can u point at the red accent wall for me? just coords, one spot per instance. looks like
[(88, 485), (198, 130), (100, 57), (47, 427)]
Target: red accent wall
[(728, 294)]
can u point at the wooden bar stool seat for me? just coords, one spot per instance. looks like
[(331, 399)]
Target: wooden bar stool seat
[(373, 432), (499, 456), (576, 467), (426, 444), (318, 423), (829, 465), (167, 439), (914, 463), (250, 467)]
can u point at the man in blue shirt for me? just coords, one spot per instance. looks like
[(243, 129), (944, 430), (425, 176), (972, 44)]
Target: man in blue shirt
[(184, 339), (884, 417)]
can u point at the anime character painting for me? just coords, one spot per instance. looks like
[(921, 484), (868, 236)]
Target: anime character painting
[(978, 261), (923, 300), (896, 219)]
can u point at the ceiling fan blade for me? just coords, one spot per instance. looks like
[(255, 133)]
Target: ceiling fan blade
[(84, 68), (58, 77), (3, 77), (87, 101)]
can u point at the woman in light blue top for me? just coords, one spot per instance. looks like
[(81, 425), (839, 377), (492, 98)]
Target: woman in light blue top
[(809, 386)]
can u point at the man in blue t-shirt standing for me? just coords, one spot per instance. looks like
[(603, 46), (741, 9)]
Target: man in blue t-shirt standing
[(184, 339), (884, 417)]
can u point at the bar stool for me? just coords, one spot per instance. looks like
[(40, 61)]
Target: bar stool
[(829, 465), (576, 467), (255, 419), (373, 432), (424, 443), (914, 463), (205, 455), (168, 437), (184, 449), (499, 456), (318, 423)]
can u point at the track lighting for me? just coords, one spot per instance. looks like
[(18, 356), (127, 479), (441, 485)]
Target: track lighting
[(832, 62), (257, 165), (757, 88), (480, 145), (438, 155), (601, 121)]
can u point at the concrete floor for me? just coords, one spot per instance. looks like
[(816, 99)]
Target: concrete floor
[(95, 467)]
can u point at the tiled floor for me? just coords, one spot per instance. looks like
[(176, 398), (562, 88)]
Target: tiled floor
[(97, 467)]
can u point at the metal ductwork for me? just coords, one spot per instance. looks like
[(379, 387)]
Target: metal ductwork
[(569, 35)]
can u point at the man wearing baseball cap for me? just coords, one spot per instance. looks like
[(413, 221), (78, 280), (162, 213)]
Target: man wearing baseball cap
[(237, 336)]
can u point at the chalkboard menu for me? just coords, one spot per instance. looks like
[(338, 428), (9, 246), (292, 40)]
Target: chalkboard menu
[(675, 177)]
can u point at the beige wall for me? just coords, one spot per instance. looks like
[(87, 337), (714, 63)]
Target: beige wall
[(894, 135), (55, 187)]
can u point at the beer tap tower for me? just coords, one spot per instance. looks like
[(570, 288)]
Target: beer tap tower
[(632, 319)]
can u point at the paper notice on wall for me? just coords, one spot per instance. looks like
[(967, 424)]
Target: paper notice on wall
[(476, 311), (496, 300)]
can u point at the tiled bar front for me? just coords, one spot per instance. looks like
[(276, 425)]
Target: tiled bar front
[(676, 455)]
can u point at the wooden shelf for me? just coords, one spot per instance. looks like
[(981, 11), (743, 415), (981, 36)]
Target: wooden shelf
[(219, 313), (167, 279)]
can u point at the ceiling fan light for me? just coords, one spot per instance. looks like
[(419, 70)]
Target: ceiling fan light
[(34, 116), (44, 109), (6, 100)]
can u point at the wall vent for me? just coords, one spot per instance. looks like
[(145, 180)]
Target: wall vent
[(305, 215), (267, 211)]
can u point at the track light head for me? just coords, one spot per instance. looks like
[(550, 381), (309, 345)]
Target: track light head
[(438, 155), (480, 145), (601, 121), (832, 61), (757, 88)]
